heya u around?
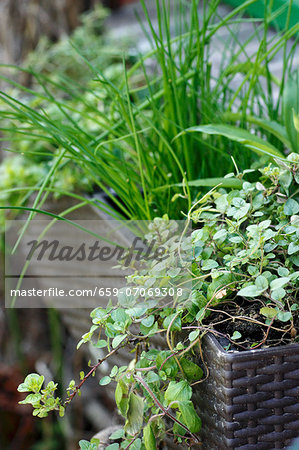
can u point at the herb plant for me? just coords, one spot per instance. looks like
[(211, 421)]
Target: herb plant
[(20, 176), (243, 247), (60, 60), (131, 136), (121, 130), (284, 134), (62, 84)]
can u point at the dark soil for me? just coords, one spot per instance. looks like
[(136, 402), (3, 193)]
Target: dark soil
[(242, 316)]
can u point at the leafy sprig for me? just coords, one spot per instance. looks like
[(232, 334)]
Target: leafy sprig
[(244, 245)]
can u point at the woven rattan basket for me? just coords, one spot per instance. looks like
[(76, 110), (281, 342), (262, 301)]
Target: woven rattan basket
[(250, 399)]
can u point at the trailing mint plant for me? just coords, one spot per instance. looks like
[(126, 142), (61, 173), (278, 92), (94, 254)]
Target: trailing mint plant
[(248, 240), (243, 250)]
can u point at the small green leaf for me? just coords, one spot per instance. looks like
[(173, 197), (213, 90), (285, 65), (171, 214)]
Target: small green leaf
[(34, 382), (119, 315), (82, 341), (220, 235), (238, 202), (236, 335), (199, 317), (193, 335), (209, 264), (148, 321), (178, 391), (283, 272), (264, 224), (121, 397), (235, 239), (285, 179), (279, 283), (192, 371), (100, 344), (278, 294), (118, 393), (284, 316), (114, 446), (261, 283), (250, 291), (152, 377), (293, 248), (295, 260), (179, 346), (105, 380), (268, 312), (117, 434), (149, 438), (23, 388), (61, 411), (118, 340), (177, 429), (198, 299), (149, 330), (253, 270), (291, 207), (134, 414), (136, 445), (174, 272), (189, 416), (85, 445), (167, 363), (176, 325), (31, 399), (114, 371)]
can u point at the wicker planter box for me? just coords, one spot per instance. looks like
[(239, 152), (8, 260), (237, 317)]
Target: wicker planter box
[(250, 399)]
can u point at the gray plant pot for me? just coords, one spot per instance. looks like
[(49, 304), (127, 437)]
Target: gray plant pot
[(250, 399)]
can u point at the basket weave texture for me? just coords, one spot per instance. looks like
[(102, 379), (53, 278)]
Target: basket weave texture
[(250, 399)]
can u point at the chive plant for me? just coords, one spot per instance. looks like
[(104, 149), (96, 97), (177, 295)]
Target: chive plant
[(124, 133)]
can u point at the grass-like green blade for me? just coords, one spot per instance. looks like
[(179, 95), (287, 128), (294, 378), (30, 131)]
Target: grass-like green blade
[(238, 135), (230, 183), (271, 126), (290, 104)]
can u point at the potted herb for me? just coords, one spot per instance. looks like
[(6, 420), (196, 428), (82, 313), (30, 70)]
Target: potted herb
[(249, 398), (226, 373), (134, 158)]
